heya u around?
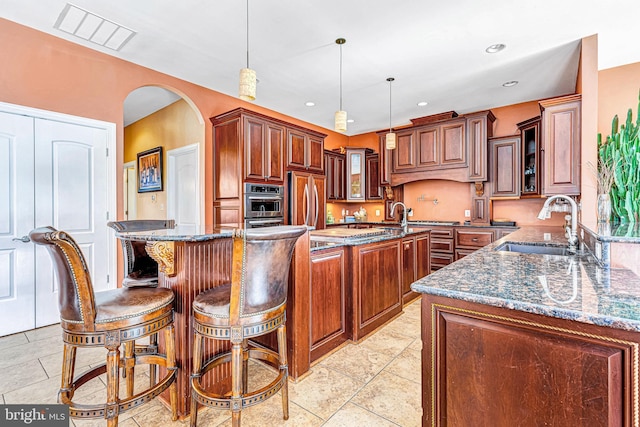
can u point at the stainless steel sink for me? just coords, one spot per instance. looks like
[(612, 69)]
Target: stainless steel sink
[(524, 248)]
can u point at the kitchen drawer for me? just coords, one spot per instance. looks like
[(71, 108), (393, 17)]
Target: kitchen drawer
[(439, 260), (441, 245), (476, 239), (461, 253), (442, 233)]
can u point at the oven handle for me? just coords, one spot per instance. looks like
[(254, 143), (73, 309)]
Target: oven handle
[(264, 197), (265, 221)]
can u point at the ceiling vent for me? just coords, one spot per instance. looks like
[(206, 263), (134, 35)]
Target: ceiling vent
[(94, 28)]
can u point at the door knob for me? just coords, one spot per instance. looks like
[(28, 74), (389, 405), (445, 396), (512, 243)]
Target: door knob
[(23, 239)]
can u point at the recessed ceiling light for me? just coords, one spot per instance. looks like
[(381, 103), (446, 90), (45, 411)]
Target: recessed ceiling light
[(350, 120), (509, 84), (495, 48), (422, 103), (309, 104)]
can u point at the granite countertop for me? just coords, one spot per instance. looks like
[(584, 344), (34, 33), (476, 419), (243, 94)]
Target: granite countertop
[(567, 287), (180, 233), (319, 242)]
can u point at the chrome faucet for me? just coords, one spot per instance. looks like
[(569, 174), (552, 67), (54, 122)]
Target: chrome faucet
[(403, 222), (570, 232)]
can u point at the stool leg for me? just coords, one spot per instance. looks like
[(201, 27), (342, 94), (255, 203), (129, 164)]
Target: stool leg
[(170, 350), (245, 365), (153, 369), (236, 383), (282, 350), (113, 384), (197, 366), (68, 368), (129, 361)]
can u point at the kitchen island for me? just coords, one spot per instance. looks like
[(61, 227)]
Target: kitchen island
[(523, 339)]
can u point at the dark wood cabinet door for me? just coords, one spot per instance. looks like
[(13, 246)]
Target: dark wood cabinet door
[(561, 144), (453, 146), (385, 161), (404, 156), (408, 265), (274, 161), (329, 165), (423, 255), (505, 166), (377, 282), (328, 301), (299, 199), (296, 149), (531, 165), (318, 214), (254, 148), (428, 141), (372, 169), (493, 366), (339, 177), (478, 128), (315, 148)]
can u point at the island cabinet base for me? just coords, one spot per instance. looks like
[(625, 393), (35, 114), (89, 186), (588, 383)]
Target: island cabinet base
[(489, 366)]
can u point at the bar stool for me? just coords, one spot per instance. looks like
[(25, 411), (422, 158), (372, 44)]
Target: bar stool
[(140, 270), (252, 304), (109, 318)]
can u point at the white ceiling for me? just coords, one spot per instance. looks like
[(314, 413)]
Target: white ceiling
[(435, 50)]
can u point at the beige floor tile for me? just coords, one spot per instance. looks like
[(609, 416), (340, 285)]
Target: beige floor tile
[(84, 357), (158, 416), (324, 391), (30, 351), (403, 325), (407, 365), (351, 415), (393, 398), (210, 417), (416, 345), (12, 340), (41, 392), (21, 375), (358, 362), (269, 413), (44, 332), (387, 341)]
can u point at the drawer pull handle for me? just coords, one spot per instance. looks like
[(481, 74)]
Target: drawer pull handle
[(475, 239)]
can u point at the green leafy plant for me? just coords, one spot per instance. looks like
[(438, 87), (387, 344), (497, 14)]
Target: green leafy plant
[(622, 148)]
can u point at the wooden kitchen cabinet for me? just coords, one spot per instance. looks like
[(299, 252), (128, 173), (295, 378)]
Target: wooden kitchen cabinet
[(305, 151), (306, 200), (328, 301), (442, 253), (376, 285), (408, 267), (505, 166), (561, 144), (264, 150), (479, 129), (373, 189), (404, 156), (468, 240), (531, 165), (335, 171), (491, 366)]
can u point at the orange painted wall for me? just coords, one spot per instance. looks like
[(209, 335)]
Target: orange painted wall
[(46, 72), (617, 92)]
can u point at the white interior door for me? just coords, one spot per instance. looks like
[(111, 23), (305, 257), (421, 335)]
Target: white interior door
[(70, 194), (17, 268), (183, 185), (52, 172), (130, 191)]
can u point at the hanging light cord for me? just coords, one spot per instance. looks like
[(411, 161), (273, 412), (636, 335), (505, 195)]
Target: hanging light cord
[(390, 105), (341, 76), (247, 33)]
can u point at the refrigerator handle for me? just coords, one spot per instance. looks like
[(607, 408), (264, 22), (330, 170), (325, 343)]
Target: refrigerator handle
[(306, 198), (315, 190)]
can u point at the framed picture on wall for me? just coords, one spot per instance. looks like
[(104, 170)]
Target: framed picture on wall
[(150, 170)]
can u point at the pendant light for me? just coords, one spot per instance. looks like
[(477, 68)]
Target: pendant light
[(248, 78), (390, 139), (340, 123)]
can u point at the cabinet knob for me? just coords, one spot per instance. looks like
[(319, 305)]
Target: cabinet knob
[(475, 239)]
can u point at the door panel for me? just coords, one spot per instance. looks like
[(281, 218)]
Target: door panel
[(71, 195), (17, 293)]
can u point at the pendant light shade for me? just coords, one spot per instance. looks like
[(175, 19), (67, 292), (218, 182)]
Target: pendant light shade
[(340, 119), (248, 79), (390, 138), (247, 84)]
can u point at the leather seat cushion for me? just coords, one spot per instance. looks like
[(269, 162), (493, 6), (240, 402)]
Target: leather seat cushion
[(214, 302), (127, 303)]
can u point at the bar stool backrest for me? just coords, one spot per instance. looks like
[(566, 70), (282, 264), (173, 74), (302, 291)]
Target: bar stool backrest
[(260, 273), (133, 252), (76, 297)]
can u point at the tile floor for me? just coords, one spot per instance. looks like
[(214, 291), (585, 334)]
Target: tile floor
[(373, 383)]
